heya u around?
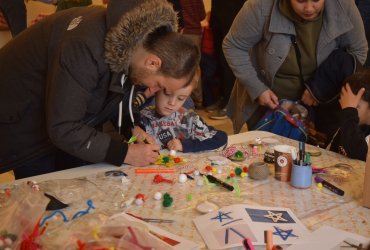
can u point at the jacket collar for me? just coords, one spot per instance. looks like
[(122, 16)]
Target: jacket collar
[(132, 28), (335, 22)]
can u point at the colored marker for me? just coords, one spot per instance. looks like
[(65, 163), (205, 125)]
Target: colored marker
[(301, 153), (189, 177), (154, 170), (329, 186), (277, 247), (213, 179), (268, 239), (248, 244)]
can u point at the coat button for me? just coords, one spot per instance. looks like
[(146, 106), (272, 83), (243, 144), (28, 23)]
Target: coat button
[(263, 72), (271, 51)]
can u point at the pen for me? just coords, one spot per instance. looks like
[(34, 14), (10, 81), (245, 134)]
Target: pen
[(301, 152), (248, 244), (213, 179), (308, 159), (329, 186), (189, 176)]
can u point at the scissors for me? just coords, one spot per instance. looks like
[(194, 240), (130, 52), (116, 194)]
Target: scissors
[(359, 247), (150, 219)]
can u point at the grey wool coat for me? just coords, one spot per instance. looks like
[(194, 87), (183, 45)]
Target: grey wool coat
[(58, 76), (260, 39)]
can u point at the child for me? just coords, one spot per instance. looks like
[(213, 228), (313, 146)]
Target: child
[(177, 128), (352, 135)]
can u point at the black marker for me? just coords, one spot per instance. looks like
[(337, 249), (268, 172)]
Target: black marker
[(189, 176), (329, 186), (213, 179), (301, 153)]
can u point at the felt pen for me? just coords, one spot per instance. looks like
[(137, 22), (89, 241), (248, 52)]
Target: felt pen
[(277, 247), (248, 244), (189, 177), (268, 239), (213, 179), (329, 186), (301, 153)]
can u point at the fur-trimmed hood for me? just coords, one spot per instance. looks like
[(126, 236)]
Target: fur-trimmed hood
[(131, 21)]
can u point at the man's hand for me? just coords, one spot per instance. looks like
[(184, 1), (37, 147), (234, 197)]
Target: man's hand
[(140, 155), (308, 99), (175, 144), (141, 136), (348, 98), (268, 99)]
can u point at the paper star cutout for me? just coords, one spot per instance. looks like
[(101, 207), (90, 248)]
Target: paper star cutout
[(284, 234), (275, 217), (221, 215)]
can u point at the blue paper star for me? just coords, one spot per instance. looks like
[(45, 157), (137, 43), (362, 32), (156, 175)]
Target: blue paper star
[(221, 215), (284, 234)]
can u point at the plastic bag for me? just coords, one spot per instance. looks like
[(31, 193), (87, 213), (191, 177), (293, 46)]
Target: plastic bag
[(20, 214)]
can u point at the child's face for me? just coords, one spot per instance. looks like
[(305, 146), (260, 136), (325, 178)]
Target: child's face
[(168, 102), (363, 112)]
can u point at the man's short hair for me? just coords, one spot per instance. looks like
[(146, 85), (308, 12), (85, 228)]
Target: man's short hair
[(179, 55)]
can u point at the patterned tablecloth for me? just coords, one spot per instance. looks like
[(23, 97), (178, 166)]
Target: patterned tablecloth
[(313, 206)]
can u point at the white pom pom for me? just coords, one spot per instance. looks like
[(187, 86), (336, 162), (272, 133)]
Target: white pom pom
[(139, 202), (183, 178), (158, 196)]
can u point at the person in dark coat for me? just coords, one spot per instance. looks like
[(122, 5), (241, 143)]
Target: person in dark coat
[(353, 130), (15, 14), (62, 78)]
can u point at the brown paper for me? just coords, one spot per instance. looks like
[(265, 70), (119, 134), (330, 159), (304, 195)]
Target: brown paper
[(366, 197)]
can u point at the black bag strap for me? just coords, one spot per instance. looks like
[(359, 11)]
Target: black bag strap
[(298, 56)]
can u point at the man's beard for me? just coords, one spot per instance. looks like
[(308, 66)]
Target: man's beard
[(137, 73)]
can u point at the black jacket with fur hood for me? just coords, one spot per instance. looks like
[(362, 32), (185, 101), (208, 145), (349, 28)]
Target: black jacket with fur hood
[(59, 76)]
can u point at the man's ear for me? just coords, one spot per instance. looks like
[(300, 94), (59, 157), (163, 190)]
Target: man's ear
[(153, 62)]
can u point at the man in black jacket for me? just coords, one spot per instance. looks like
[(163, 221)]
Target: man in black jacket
[(65, 76)]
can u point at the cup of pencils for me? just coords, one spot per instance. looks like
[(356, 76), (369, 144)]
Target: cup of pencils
[(301, 176)]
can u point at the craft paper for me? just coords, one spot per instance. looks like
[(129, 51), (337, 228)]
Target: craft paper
[(228, 226), (331, 239), (175, 242)]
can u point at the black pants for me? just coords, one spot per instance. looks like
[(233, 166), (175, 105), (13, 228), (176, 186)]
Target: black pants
[(52, 162), (15, 14)]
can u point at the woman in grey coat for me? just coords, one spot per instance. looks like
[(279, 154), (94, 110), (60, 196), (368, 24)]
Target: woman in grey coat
[(259, 49)]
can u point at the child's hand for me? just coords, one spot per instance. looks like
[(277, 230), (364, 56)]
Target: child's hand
[(174, 144), (141, 136), (348, 98)]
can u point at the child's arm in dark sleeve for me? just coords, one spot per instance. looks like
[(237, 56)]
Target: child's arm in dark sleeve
[(205, 137), (195, 145), (351, 136)]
